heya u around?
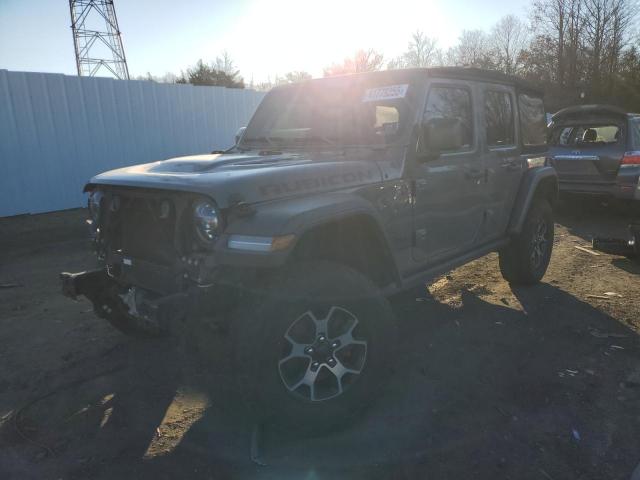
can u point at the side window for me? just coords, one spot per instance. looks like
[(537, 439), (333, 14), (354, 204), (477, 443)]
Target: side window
[(387, 120), (635, 133), (454, 104), (533, 123), (498, 113)]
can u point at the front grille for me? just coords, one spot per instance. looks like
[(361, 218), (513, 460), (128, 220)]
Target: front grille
[(146, 235), (141, 228)]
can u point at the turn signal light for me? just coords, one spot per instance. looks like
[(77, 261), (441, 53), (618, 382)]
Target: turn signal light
[(631, 158)]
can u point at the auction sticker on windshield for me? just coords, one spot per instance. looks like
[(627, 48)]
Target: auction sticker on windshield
[(390, 92)]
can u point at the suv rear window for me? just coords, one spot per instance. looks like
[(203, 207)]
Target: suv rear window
[(532, 120), (585, 135)]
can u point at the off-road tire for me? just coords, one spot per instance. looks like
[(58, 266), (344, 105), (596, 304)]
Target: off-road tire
[(260, 346), (517, 262)]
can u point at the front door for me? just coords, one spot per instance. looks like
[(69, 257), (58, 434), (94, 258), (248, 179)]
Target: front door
[(448, 191)]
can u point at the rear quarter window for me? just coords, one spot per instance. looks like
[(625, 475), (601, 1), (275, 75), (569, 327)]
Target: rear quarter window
[(533, 123)]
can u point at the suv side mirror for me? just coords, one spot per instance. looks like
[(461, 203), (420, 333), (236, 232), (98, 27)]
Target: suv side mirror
[(439, 135), (240, 134)]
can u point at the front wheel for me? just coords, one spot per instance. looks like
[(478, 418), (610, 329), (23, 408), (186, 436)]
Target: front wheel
[(525, 260), (313, 350)]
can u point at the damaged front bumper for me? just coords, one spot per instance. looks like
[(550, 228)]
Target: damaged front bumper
[(131, 308)]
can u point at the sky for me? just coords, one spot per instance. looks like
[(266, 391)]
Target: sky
[(264, 38)]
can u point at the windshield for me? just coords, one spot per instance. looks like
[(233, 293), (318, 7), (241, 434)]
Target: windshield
[(344, 111)]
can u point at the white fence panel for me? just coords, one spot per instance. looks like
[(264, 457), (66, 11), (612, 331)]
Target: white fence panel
[(57, 131)]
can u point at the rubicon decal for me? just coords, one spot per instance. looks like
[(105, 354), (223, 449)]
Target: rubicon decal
[(311, 183)]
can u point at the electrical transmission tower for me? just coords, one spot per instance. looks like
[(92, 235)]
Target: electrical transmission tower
[(96, 38)]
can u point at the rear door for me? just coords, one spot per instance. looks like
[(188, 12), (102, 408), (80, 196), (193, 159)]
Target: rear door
[(588, 151), (501, 157)]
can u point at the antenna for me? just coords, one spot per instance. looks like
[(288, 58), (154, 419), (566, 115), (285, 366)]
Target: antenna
[(96, 38)]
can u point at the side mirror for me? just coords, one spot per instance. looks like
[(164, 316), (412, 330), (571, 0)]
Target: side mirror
[(439, 135), (240, 134)]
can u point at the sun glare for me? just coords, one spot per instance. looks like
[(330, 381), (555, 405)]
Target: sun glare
[(294, 35)]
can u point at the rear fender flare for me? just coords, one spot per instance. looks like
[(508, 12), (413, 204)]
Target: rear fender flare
[(535, 182)]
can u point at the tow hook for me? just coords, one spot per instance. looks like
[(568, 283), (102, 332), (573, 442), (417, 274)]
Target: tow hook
[(89, 283)]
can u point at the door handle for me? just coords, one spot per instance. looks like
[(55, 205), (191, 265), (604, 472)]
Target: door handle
[(505, 153), (474, 174), (511, 165)]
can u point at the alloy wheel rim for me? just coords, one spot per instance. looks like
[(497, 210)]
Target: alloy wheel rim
[(322, 356), (539, 244)]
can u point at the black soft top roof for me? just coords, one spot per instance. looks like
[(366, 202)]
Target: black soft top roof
[(471, 73), (462, 73)]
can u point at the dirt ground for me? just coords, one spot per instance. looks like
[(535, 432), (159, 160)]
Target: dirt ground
[(490, 382)]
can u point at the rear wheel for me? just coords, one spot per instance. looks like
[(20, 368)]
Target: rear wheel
[(525, 260), (314, 348)]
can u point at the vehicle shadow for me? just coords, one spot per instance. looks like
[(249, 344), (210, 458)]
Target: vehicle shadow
[(627, 265), (587, 217), (479, 390)]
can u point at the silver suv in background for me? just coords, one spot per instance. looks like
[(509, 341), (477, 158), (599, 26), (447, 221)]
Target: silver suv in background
[(596, 150)]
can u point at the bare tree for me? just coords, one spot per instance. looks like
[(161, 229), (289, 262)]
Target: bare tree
[(296, 76), (550, 18), (618, 38), (606, 28), (289, 77), (362, 61), (473, 50), (572, 50), (509, 37), (422, 51), (225, 64), (538, 62), (562, 22)]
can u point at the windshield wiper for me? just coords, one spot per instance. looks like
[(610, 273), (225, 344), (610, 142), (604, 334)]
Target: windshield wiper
[(322, 138)]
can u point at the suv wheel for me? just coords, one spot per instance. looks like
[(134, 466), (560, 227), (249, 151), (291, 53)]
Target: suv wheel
[(313, 349), (524, 261)]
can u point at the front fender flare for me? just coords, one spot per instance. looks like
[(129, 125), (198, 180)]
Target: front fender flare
[(293, 216)]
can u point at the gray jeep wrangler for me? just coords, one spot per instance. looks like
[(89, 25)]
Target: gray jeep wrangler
[(339, 193)]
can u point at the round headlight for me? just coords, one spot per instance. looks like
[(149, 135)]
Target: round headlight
[(95, 198), (207, 220)]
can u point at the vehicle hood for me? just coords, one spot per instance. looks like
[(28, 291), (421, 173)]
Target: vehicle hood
[(248, 177)]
